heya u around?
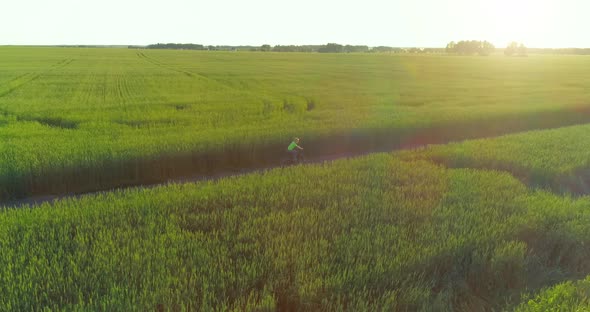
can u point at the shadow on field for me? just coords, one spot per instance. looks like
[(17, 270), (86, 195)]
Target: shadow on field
[(234, 159), (575, 183), (54, 122), (535, 258)]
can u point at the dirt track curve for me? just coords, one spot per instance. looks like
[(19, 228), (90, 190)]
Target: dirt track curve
[(347, 145)]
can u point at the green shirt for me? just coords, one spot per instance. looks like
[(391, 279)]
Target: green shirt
[(292, 146)]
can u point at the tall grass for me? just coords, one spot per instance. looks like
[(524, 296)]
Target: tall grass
[(374, 233), (557, 159), (567, 296)]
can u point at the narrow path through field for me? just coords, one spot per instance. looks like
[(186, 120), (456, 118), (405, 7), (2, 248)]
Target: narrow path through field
[(318, 158), (38, 200)]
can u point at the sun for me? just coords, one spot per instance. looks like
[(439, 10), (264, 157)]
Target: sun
[(525, 21)]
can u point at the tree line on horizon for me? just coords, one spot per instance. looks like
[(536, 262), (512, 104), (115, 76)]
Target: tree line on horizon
[(484, 48), (515, 49), (470, 47), (464, 47), (326, 48), (560, 51)]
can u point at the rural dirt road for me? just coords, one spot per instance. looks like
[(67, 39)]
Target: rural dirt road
[(38, 200), (317, 158)]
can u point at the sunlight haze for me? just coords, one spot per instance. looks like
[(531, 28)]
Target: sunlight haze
[(421, 23)]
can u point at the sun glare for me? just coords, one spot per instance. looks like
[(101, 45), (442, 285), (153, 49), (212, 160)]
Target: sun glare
[(526, 21)]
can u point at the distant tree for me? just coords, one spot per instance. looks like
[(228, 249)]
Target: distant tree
[(470, 47), (464, 48), (294, 48), (515, 49), (176, 46), (331, 48), (416, 50), (522, 51), (280, 48), (573, 51), (486, 48), (450, 47), (265, 47), (355, 48), (434, 50), (381, 49), (511, 49)]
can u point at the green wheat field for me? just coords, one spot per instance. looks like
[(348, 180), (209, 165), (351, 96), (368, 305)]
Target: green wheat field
[(467, 192)]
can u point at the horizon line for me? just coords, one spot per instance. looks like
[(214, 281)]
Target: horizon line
[(250, 45)]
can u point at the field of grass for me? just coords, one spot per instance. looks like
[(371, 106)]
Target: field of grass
[(374, 233), (85, 119), (479, 225)]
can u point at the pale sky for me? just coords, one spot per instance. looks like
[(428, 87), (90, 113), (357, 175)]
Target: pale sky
[(407, 23)]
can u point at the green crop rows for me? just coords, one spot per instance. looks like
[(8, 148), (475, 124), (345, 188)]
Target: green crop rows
[(471, 226), (364, 234), (84, 119)]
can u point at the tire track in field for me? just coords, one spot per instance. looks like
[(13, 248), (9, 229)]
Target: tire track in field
[(124, 89), (162, 65), (27, 78), (188, 73), (19, 82)]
